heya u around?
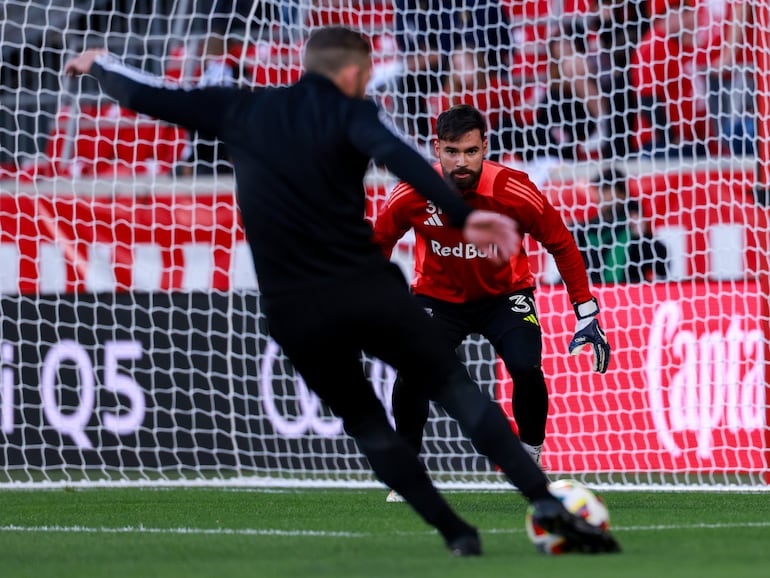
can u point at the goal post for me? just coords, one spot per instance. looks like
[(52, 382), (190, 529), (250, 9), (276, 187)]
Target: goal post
[(133, 347), (761, 13)]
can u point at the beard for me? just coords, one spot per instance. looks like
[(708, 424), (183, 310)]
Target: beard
[(465, 179)]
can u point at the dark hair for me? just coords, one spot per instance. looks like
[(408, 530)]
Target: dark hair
[(458, 120), (328, 50)]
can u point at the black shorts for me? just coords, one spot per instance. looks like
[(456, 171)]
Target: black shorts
[(509, 322)]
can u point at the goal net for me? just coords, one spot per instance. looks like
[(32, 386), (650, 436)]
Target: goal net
[(133, 347)]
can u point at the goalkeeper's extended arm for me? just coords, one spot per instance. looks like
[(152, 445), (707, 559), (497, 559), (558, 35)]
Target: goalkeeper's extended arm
[(589, 332)]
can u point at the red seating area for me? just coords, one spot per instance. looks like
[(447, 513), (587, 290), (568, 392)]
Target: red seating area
[(367, 16), (108, 141), (267, 63)]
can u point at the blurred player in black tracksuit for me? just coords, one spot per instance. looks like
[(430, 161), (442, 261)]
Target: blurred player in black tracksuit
[(300, 155)]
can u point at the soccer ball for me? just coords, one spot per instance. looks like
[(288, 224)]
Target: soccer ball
[(579, 500)]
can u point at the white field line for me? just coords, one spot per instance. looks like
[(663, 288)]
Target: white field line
[(330, 534), (270, 484), (180, 531)]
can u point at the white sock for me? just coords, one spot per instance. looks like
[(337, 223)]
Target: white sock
[(536, 452)]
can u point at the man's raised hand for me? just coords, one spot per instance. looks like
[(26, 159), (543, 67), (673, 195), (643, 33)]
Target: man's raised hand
[(81, 64)]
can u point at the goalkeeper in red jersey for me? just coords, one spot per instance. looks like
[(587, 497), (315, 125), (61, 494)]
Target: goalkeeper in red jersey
[(466, 292)]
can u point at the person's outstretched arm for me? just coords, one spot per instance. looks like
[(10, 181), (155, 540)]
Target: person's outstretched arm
[(204, 109), (546, 226)]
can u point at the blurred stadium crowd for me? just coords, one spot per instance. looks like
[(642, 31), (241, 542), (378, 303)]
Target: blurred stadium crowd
[(558, 79)]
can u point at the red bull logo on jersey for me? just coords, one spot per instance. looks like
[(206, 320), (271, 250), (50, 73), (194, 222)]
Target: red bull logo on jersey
[(463, 250)]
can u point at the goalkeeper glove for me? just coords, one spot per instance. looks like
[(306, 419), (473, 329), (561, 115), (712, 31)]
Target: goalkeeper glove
[(588, 332)]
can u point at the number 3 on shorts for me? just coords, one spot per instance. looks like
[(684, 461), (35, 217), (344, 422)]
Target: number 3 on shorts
[(520, 304)]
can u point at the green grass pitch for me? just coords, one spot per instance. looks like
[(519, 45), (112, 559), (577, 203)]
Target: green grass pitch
[(229, 533)]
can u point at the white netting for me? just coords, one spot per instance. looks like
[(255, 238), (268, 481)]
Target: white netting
[(132, 347)]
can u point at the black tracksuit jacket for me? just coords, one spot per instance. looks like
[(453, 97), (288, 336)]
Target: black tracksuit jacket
[(300, 155)]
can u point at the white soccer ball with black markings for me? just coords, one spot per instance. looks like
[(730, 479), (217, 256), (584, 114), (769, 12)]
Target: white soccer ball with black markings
[(578, 499)]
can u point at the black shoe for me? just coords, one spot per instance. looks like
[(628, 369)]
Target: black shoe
[(466, 545), (579, 535)]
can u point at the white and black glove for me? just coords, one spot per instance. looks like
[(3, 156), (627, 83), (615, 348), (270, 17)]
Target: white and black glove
[(588, 332)]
